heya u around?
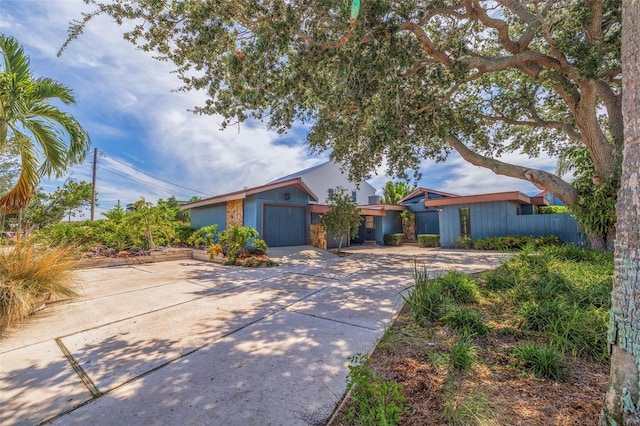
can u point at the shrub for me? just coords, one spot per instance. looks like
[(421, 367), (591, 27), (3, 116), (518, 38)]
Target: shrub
[(540, 360), (463, 243), (238, 241), (466, 322), (429, 240), (460, 287), (204, 237), (29, 274), (515, 242), (393, 239), (425, 298), (374, 401), (553, 210)]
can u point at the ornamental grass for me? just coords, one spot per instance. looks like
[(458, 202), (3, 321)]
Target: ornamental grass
[(30, 274)]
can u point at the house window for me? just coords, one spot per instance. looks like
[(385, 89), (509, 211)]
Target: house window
[(354, 196), (465, 222), (369, 223)]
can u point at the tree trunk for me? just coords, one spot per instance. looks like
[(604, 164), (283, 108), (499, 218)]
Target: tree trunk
[(621, 403)]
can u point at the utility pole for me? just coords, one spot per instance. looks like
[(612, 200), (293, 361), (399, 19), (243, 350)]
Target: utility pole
[(93, 183)]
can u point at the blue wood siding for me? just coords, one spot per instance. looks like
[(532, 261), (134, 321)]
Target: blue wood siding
[(391, 223), (487, 220), (428, 222), (209, 215), (250, 212), (284, 225), (501, 218), (563, 226)]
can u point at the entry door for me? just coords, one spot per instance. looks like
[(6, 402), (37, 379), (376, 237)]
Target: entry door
[(369, 228)]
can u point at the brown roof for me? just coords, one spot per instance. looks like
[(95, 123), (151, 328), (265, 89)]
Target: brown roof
[(516, 196), (239, 195)]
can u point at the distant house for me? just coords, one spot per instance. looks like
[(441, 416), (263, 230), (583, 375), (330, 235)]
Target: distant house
[(287, 211), (325, 178)]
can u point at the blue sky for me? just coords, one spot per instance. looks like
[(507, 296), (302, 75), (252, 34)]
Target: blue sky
[(125, 100)]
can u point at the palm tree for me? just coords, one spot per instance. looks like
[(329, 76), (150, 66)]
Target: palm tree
[(47, 139), (395, 191)]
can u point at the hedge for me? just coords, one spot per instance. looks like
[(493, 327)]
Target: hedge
[(429, 240), (393, 239)]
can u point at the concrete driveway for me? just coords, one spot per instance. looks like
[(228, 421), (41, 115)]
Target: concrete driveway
[(191, 342)]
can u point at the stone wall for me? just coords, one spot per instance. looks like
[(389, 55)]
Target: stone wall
[(318, 236), (235, 215)]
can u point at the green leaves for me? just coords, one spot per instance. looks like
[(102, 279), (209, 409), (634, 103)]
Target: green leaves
[(29, 121), (343, 218)]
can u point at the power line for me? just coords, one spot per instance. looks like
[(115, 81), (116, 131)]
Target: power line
[(154, 177), (182, 195)]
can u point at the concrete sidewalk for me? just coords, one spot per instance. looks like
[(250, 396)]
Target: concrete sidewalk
[(189, 342)]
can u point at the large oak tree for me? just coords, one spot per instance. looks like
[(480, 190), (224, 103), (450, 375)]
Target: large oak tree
[(406, 80), (622, 402)]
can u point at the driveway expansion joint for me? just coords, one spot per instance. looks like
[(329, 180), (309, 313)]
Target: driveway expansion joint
[(84, 377)]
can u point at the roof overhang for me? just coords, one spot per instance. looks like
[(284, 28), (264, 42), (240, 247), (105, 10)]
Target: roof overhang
[(365, 209), (425, 191), (514, 196)]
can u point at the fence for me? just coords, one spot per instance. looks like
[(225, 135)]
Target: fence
[(563, 226)]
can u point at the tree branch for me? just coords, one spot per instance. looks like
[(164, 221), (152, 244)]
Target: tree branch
[(541, 178)]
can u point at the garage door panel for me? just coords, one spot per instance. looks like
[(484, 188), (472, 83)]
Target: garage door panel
[(284, 226)]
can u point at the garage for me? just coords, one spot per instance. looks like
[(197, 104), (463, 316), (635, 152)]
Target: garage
[(284, 225)]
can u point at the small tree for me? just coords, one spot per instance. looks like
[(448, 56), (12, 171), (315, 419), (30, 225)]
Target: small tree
[(343, 218)]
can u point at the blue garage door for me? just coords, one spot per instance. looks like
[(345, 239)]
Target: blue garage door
[(284, 226)]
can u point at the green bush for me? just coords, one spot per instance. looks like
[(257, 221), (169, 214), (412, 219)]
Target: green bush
[(239, 241), (393, 239), (463, 243), (426, 299), (466, 322), (553, 210), (515, 242), (204, 237), (374, 401), (429, 240), (540, 360)]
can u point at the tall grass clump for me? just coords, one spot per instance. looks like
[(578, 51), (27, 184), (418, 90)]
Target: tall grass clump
[(459, 287), (541, 361), (473, 409), (29, 274), (426, 299), (466, 322), (462, 354)]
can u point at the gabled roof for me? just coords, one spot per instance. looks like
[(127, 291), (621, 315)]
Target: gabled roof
[(425, 191), (300, 173), (239, 195), (516, 196)]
